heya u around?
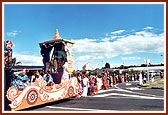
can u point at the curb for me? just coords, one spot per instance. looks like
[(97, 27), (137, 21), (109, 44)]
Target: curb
[(148, 86), (157, 88)]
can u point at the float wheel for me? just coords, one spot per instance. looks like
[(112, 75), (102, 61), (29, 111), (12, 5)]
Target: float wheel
[(32, 97), (70, 91)]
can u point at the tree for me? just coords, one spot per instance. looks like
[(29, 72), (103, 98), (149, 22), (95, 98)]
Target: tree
[(107, 65), (13, 61), (18, 63), (122, 67)]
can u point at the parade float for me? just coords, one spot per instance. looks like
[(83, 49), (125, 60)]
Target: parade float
[(58, 61)]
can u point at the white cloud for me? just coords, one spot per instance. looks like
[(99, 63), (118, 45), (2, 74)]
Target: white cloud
[(117, 32), (130, 58), (87, 49), (26, 59), (106, 39), (139, 41), (85, 57), (144, 33), (148, 28), (12, 33)]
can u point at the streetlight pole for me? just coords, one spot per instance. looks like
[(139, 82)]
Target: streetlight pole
[(161, 59), (147, 63), (147, 71)]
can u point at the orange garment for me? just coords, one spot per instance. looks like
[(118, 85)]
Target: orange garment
[(104, 80)]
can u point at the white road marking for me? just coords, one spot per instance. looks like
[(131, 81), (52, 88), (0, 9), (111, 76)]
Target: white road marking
[(128, 95), (136, 94), (134, 88), (78, 109), (119, 89), (127, 84), (122, 90), (102, 91)]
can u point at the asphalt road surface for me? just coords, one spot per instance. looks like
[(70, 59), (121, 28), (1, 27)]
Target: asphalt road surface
[(124, 97)]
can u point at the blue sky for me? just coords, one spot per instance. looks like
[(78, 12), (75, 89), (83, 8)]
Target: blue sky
[(114, 33)]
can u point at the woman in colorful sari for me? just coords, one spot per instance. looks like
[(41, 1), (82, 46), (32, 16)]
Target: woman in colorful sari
[(91, 84), (104, 80), (79, 78), (21, 81), (48, 78)]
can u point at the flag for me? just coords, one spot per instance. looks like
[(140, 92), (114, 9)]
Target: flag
[(94, 67), (85, 66)]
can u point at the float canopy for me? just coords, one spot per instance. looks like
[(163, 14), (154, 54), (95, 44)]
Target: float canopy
[(57, 38)]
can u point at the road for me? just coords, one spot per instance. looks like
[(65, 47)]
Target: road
[(123, 97)]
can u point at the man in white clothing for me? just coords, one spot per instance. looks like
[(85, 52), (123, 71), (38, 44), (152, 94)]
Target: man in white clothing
[(140, 79), (85, 83)]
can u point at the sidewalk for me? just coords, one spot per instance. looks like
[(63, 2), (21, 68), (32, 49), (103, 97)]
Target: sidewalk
[(157, 84)]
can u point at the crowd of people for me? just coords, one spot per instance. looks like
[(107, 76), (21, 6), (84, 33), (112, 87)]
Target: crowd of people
[(89, 84), (23, 78)]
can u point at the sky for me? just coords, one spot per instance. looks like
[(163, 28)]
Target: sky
[(114, 33)]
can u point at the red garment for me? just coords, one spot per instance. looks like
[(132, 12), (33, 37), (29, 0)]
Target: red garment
[(106, 71), (104, 80), (95, 90)]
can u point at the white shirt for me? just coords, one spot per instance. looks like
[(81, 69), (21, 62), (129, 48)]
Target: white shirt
[(65, 71), (85, 81)]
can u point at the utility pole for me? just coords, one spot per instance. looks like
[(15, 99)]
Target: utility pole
[(147, 61)]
